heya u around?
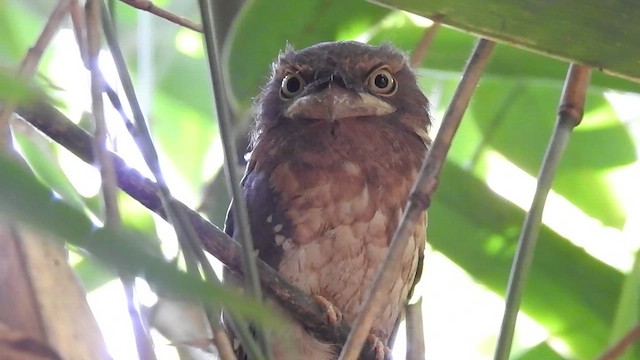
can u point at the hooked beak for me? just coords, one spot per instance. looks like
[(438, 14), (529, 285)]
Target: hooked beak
[(337, 103)]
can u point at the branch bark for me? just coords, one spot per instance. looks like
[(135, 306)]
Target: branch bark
[(55, 125)]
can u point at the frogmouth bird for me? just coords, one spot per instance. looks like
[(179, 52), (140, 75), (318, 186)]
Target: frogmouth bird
[(340, 134)]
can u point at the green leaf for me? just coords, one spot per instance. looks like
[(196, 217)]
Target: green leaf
[(40, 154), (572, 294), (601, 34), (184, 135), (541, 351), (19, 29), (92, 274), (451, 48), (516, 118)]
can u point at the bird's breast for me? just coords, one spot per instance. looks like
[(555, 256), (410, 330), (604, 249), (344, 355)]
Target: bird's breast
[(342, 218)]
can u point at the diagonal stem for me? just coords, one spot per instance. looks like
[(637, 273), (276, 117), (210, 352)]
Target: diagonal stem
[(422, 49), (619, 348), (240, 213), (570, 113), (419, 200), (148, 6)]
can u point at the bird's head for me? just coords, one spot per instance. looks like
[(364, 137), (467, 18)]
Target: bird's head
[(340, 82)]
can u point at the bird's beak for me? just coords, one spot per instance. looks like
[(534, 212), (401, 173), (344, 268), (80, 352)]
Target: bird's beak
[(336, 103)]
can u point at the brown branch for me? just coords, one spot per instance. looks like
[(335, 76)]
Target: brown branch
[(569, 115), (422, 49), (618, 349), (419, 200), (77, 22), (167, 15), (55, 125)]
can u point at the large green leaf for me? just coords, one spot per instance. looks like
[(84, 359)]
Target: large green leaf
[(602, 34), (572, 294), (451, 48), (516, 118), (19, 29)]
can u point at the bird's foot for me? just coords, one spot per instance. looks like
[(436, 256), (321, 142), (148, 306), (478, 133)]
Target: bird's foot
[(332, 313), (379, 349)]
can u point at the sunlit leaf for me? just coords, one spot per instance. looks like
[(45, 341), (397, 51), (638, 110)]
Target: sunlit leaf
[(478, 230), (541, 351), (578, 31), (450, 49), (517, 117)]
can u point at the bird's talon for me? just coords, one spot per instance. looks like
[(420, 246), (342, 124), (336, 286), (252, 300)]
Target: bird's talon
[(380, 350), (332, 313)]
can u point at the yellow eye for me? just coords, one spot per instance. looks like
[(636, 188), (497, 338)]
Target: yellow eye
[(382, 82), (292, 85)]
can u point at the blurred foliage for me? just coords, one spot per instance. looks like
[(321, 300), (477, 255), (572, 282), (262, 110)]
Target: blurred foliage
[(575, 296)]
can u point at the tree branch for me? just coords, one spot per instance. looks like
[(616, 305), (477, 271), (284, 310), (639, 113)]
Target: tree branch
[(55, 125), (146, 5), (618, 349)]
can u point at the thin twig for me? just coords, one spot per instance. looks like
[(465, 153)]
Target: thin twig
[(419, 200), (240, 213), (422, 49), (570, 114), (302, 307), (415, 332), (167, 15), (31, 60), (107, 172), (619, 348), (104, 164), (223, 344), (498, 119), (78, 23)]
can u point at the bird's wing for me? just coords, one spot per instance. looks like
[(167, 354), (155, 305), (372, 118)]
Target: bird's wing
[(266, 219), (266, 216)]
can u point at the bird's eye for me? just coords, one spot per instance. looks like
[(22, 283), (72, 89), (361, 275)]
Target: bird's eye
[(382, 82), (292, 84)]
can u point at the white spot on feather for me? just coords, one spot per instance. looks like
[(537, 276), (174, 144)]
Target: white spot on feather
[(351, 168), (287, 244)]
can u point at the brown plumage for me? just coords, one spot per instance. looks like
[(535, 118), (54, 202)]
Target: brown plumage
[(341, 131)]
